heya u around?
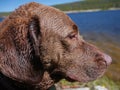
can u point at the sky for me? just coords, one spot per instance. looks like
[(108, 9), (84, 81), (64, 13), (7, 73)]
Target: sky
[(10, 5)]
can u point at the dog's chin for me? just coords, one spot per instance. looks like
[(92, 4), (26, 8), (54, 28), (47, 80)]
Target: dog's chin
[(83, 77), (89, 73), (76, 78)]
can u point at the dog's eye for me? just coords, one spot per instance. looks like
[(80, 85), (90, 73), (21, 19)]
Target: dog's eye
[(72, 36)]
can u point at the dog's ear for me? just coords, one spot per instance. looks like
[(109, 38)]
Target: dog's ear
[(20, 43), (34, 31)]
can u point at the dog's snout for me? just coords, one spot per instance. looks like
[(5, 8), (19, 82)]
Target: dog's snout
[(107, 58), (103, 58)]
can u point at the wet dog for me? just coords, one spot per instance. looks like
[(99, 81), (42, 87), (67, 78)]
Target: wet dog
[(40, 45)]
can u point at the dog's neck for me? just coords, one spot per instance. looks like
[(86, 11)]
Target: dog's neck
[(8, 84)]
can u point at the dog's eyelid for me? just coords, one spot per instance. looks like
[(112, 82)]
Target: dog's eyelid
[(72, 35), (75, 27)]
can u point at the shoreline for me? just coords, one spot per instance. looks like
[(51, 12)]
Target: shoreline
[(77, 11), (3, 16), (90, 10)]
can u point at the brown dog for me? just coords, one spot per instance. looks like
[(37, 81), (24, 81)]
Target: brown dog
[(40, 45)]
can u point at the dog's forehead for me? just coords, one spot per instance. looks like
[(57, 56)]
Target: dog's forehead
[(57, 21), (51, 19)]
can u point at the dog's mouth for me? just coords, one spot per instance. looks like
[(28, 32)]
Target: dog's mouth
[(57, 75), (84, 73), (71, 78), (87, 73)]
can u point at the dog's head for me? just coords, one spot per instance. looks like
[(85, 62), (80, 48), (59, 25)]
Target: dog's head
[(59, 46), (63, 51)]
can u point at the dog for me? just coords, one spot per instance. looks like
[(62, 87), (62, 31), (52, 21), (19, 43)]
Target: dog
[(40, 45)]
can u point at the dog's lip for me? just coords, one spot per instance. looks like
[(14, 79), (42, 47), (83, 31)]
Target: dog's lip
[(69, 76), (72, 77)]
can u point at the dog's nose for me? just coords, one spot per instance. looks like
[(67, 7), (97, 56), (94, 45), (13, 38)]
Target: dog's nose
[(103, 58), (108, 59)]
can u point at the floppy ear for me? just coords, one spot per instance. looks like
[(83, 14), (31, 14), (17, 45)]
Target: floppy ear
[(34, 30), (19, 56)]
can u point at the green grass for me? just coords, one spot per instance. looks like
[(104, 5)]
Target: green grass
[(104, 82)]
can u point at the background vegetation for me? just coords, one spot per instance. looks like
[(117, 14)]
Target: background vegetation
[(89, 4), (83, 5), (4, 14)]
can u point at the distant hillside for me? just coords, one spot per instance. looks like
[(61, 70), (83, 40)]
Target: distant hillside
[(89, 4), (4, 14), (83, 5)]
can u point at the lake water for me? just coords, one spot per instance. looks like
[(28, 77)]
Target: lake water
[(102, 21), (1, 19)]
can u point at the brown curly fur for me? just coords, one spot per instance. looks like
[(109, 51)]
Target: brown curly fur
[(39, 45)]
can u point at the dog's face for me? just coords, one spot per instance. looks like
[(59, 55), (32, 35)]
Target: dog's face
[(64, 52)]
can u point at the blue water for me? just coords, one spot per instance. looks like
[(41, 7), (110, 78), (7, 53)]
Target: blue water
[(1, 19), (101, 21), (97, 26)]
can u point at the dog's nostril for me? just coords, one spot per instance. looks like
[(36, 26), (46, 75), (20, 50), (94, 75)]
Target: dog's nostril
[(97, 55), (103, 58), (108, 59)]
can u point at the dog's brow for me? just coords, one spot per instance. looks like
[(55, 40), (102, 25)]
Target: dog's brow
[(75, 31), (75, 28)]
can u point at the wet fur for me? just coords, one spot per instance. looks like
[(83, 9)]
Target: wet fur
[(37, 48)]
